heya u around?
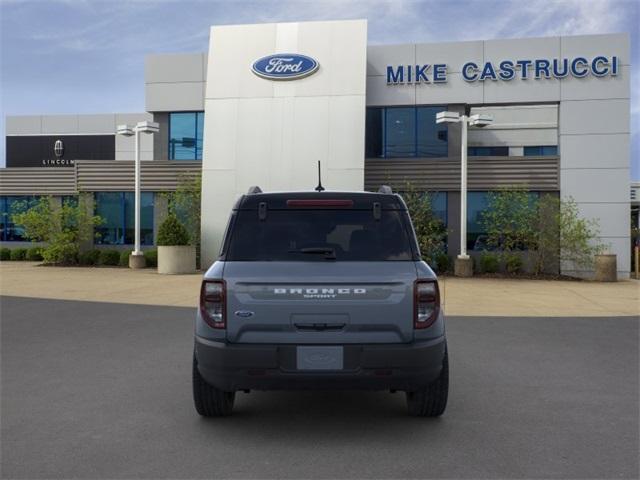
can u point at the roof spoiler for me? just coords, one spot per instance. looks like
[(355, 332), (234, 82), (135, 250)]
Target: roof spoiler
[(254, 189), (385, 189)]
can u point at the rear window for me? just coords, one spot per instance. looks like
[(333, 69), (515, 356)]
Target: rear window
[(319, 235)]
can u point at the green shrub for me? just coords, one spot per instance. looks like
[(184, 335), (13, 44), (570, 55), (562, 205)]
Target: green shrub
[(124, 258), (5, 254), (18, 253), (151, 258), (513, 263), (34, 254), (442, 262), (172, 232), (62, 228), (89, 257), (109, 257), (489, 262), (61, 254)]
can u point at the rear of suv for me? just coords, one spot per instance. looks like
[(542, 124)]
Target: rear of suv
[(320, 290)]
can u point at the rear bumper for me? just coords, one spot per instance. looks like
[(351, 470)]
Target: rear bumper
[(232, 367)]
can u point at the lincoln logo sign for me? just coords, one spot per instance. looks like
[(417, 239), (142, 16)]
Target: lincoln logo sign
[(58, 148), (285, 66)]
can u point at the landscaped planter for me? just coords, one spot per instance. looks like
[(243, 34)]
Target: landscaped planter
[(606, 268), (176, 259)]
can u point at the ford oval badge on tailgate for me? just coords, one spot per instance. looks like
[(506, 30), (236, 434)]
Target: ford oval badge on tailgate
[(285, 66), (243, 314)]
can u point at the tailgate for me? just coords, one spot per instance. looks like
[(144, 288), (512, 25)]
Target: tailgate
[(320, 302)]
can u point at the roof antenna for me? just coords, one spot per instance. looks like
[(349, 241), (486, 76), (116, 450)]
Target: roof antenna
[(319, 188)]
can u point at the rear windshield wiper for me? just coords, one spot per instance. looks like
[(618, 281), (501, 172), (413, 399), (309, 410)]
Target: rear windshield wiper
[(329, 253)]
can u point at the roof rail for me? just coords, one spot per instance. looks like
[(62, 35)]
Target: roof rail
[(385, 189), (254, 189)]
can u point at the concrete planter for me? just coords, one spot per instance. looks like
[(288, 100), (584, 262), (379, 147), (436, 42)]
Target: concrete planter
[(176, 259), (606, 268)]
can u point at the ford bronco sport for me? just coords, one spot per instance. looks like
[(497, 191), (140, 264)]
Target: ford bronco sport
[(320, 290)]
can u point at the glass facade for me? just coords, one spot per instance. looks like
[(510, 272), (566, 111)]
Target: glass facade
[(439, 205), (10, 205), (488, 151), (541, 151), (185, 135), (477, 203), (117, 212), (405, 132)]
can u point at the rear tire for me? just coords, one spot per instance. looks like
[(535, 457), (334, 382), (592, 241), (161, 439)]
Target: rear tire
[(432, 401), (208, 400)]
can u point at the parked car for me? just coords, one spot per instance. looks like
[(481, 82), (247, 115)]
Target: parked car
[(320, 290)]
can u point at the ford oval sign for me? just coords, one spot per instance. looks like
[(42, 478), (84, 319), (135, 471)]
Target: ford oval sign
[(285, 66)]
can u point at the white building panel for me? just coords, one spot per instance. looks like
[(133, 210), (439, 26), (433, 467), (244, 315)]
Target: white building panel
[(596, 185), (380, 56), (595, 151), (590, 46), (281, 128), (59, 124), (453, 54), (593, 88), (381, 94), (521, 49), (520, 91), (513, 137), (175, 97), (23, 125), (613, 220), (175, 68), (595, 117), (455, 90), (100, 124)]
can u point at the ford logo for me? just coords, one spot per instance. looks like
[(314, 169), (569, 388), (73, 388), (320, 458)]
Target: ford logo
[(244, 313), (285, 66)]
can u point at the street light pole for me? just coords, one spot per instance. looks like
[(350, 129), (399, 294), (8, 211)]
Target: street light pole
[(136, 246), (463, 264), (463, 190), (136, 259)]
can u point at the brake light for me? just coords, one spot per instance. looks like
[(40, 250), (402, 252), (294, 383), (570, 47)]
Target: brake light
[(320, 203), (213, 303), (426, 303)]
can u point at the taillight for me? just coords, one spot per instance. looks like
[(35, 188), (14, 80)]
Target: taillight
[(426, 303), (212, 303)]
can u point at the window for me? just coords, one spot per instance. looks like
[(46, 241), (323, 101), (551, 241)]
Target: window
[(405, 132), (488, 151), (541, 151), (439, 205), (374, 133), (185, 135), (400, 127), (477, 203), (117, 212), (432, 136), (10, 232), (311, 235)]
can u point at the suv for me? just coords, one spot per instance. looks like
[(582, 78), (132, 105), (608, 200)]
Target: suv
[(320, 290)]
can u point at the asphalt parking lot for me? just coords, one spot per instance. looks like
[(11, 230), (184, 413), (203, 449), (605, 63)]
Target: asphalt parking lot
[(101, 390)]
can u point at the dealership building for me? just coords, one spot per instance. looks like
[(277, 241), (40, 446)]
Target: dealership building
[(267, 101)]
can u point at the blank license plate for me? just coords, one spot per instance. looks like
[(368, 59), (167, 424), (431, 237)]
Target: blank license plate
[(319, 358)]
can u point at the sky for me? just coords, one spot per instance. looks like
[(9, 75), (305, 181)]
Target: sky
[(87, 56)]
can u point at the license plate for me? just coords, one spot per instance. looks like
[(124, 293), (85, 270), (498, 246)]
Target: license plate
[(319, 358)]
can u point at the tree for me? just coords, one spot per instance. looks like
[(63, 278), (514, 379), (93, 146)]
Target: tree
[(184, 203), (509, 219), (62, 227), (430, 230)]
